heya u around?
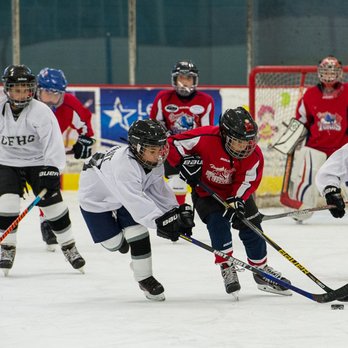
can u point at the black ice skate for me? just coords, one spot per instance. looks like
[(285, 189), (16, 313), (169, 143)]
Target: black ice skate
[(48, 236), (229, 274), (8, 254), (152, 288), (72, 255), (267, 285)]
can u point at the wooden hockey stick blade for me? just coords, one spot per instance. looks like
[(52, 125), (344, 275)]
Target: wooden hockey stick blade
[(294, 213), (320, 298)]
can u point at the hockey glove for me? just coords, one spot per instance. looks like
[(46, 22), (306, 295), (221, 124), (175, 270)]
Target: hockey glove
[(333, 197), (49, 178), (83, 147), (186, 219), (191, 169), (175, 222), (235, 212)]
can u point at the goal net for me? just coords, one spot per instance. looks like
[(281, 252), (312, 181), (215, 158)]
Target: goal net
[(274, 92)]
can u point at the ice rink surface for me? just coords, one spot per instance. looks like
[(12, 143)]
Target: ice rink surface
[(45, 303)]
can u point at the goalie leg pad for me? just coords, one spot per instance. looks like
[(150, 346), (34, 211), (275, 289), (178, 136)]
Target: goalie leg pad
[(307, 162)]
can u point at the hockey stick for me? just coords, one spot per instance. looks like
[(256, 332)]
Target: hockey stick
[(23, 214), (281, 251), (320, 298), (295, 212)]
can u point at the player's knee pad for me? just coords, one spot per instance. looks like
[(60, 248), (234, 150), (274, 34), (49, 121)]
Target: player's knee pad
[(307, 162), (178, 186), (114, 243)]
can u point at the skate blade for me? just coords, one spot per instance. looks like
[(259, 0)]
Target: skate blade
[(271, 290), (159, 297), (51, 247), (82, 270), (6, 271), (235, 295)]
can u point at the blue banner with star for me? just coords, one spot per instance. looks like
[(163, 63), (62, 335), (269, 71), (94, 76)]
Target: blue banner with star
[(120, 107)]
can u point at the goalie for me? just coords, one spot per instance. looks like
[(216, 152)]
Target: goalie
[(321, 126)]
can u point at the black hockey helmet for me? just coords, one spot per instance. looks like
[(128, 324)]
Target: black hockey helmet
[(239, 132), (187, 68), (148, 134), (21, 75)]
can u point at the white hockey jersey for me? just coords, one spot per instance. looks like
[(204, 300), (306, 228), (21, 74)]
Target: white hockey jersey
[(117, 179), (334, 171), (34, 139)]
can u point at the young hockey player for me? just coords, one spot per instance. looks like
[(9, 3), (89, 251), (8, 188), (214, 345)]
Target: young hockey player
[(70, 113), (31, 150), (122, 193), (322, 118), (227, 160), (331, 175), (181, 109)]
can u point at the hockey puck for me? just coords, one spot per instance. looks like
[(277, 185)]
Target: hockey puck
[(337, 306)]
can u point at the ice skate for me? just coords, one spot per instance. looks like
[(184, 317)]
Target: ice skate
[(72, 255), (229, 274), (8, 254), (48, 236), (267, 285), (153, 290)]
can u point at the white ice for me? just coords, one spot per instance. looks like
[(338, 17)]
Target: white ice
[(45, 303)]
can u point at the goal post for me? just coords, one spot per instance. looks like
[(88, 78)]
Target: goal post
[(274, 92)]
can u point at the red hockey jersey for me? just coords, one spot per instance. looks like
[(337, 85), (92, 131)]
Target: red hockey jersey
[(182, 114), (73, 114), (224, 175), (325, 118)]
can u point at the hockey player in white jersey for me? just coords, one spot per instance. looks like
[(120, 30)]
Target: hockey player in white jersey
[(31, 151), (331, 176), (122, 193)]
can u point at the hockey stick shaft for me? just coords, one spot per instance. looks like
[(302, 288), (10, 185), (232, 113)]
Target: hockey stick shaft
[(281, 251), (296, 213), (320, 298), (23, 214)]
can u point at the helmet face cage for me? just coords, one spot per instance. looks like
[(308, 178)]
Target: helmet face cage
[(140, 152), (19, 77), (148, 142), (188, 69), (330, 71), (239, 132), (239, 148)]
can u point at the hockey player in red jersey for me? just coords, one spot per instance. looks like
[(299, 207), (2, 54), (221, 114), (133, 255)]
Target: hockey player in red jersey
[(229, 162), (70, 113), (323, 110), (182, 109)]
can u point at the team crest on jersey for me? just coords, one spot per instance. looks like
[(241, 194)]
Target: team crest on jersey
[(220, 175), (328, 121), (196, 109), (171, 108)]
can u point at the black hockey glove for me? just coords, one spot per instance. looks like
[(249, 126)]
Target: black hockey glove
[(333, 197), (235, 212), (83, 147), (191, 169), (175, 222), (186, 219), (49, 178)]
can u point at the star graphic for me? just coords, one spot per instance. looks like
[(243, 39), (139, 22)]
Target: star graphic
[(116, 115)]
